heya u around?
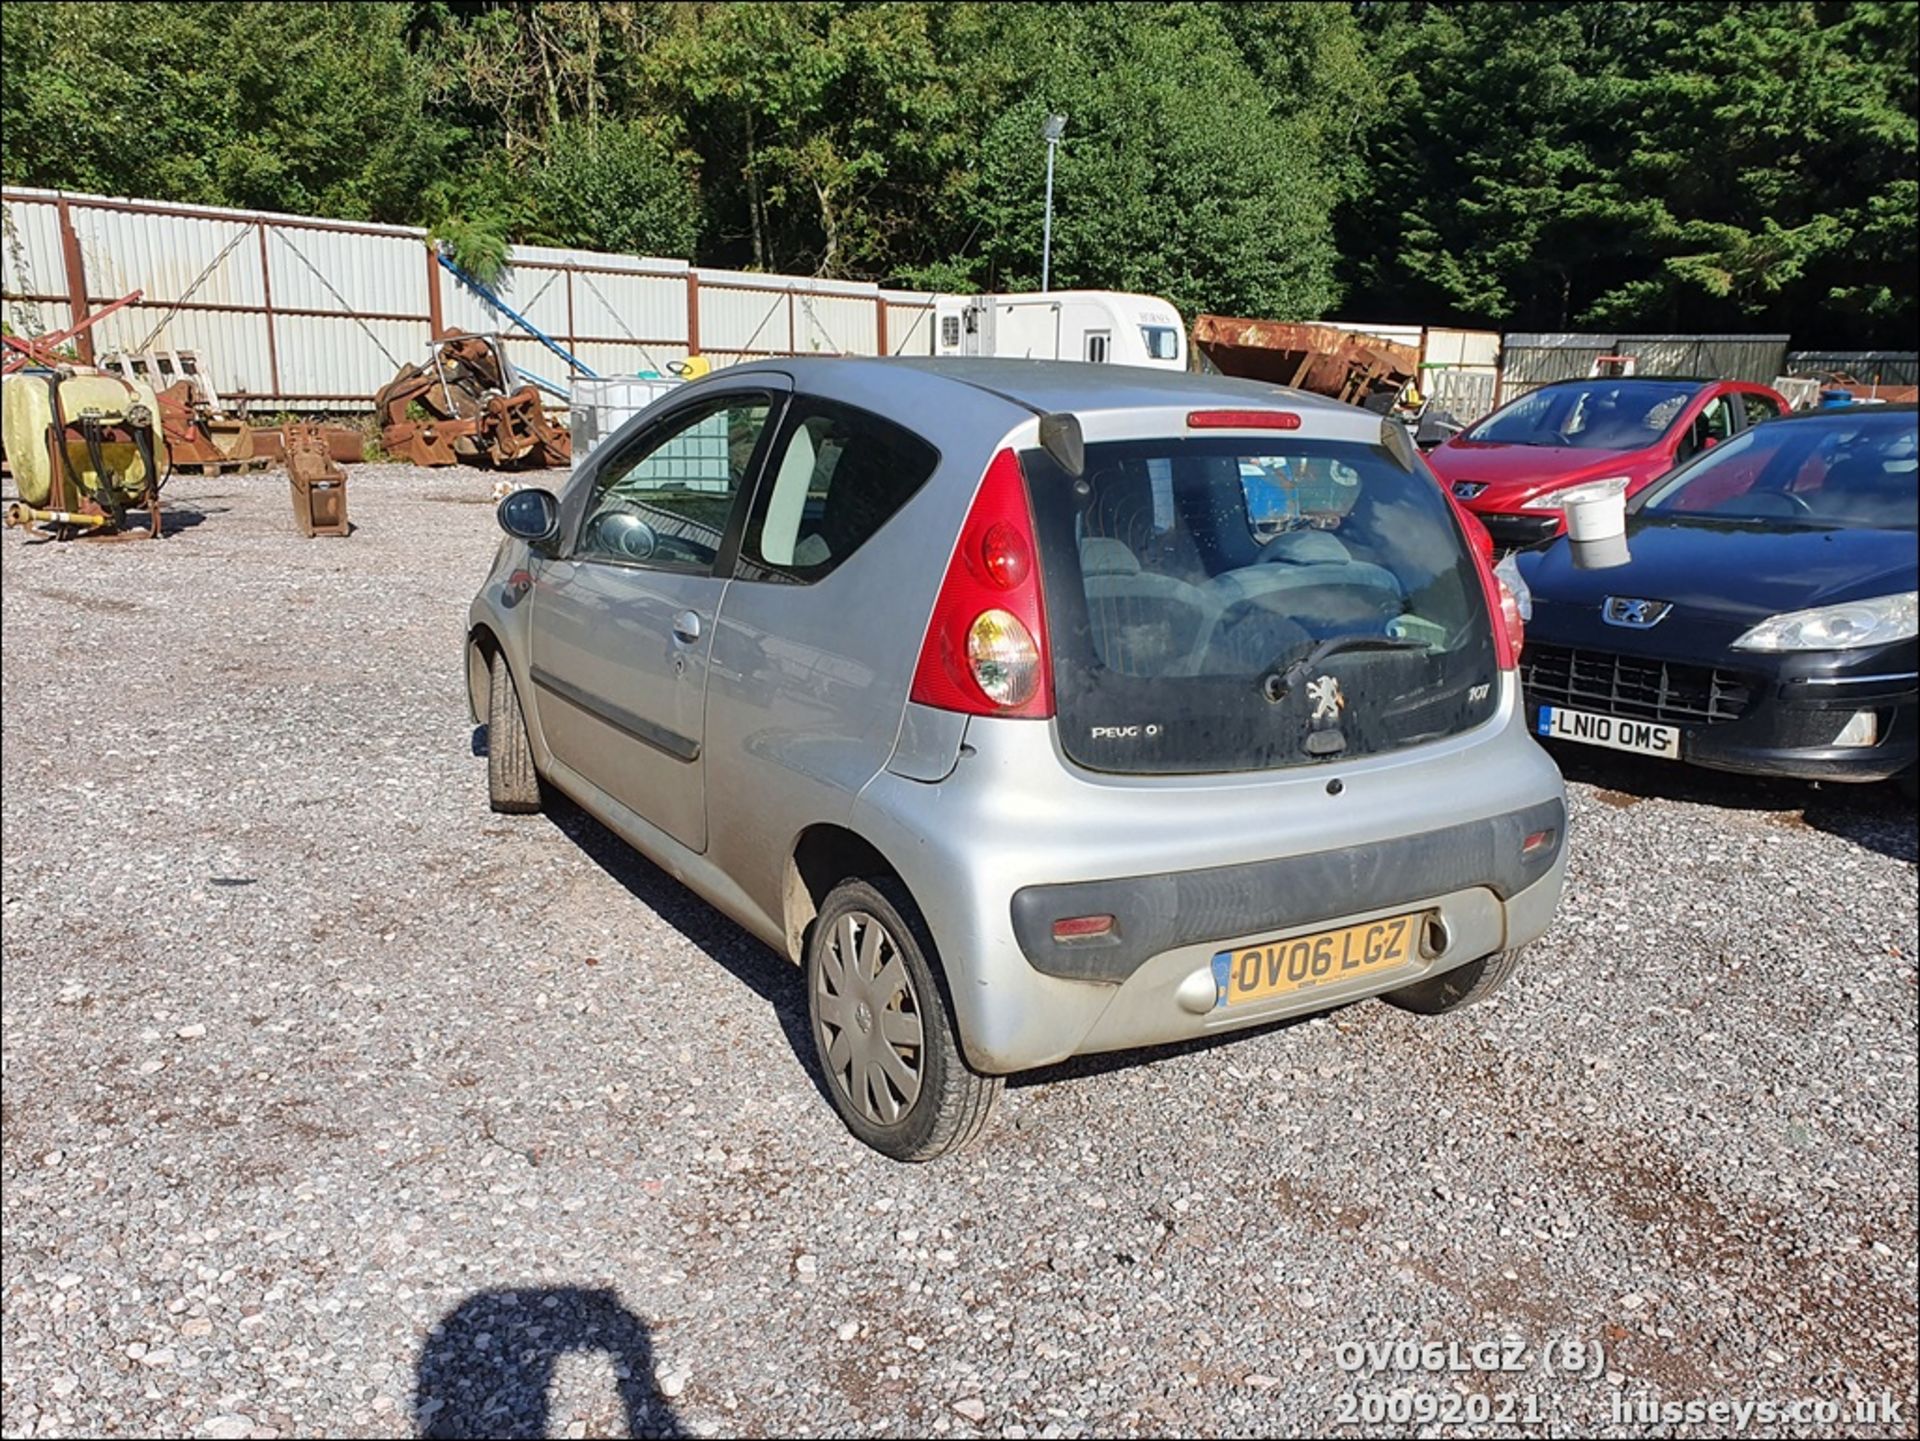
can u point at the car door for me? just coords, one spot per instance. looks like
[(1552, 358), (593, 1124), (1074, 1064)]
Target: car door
[(622, 619)]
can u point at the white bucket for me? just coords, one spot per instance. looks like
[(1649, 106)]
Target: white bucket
[(1600, 554), (1597, 512)]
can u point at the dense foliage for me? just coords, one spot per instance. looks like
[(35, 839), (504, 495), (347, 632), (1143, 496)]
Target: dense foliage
[(1697, 166)]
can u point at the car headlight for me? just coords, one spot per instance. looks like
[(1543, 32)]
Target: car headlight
[(1848, 626), (1585, 490)]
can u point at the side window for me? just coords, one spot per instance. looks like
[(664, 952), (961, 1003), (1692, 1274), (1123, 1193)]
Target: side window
[(1163, 341), (1719, 418), (1097, 346), (836, 476), (665, 501), (1760, 407), (1710, 427)]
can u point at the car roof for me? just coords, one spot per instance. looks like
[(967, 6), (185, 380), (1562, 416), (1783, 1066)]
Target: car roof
[(1655, 379), (1045, 386), (1849, 412)]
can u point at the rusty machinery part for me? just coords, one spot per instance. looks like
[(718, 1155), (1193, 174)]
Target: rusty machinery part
[(518, 435), (455, 409), (1324, 359), (317, 483), (345, 444), (44, 350), (431, 442), (201, 440)]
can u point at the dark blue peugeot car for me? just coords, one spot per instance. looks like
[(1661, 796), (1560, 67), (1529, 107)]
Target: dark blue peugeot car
[(1765, 620)]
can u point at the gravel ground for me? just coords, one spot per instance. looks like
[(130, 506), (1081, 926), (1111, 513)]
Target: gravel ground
[(336, 1105)]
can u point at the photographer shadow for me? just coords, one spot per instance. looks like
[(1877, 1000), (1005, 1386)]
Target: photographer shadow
[(487, 1368)]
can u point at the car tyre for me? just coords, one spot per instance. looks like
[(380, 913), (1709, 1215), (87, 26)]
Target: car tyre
[(513, 786), (1909, 782), (1461, 986), (883, 1028)]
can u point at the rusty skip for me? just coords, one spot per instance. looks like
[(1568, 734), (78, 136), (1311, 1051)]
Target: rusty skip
[(1323, 359)]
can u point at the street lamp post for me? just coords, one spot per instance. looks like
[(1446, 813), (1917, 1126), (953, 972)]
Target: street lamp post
[(1050, 132)]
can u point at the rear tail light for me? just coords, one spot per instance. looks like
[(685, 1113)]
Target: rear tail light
[(1509, 632), (986, 646), (1516, 602), (1512, 622), (1537, 842), (1242, 420), (1504, 610)]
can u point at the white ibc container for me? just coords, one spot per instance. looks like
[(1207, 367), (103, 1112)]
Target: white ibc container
[(600, 405)]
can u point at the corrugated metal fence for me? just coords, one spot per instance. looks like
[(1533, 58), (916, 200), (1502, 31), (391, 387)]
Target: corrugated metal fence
[(1529, 361), (1887, 367), (297, 313)]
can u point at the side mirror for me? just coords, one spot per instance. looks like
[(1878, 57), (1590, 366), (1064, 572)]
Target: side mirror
[(530, 515)]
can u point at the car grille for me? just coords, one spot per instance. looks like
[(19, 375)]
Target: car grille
[(1624, 685)]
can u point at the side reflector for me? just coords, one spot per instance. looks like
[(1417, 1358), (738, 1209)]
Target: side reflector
[(1538, 841), (1242, 420), (1083, 928)]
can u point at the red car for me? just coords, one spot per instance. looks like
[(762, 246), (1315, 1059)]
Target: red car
[(1513, 470)]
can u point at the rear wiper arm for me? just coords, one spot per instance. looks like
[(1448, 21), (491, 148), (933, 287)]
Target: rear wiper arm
[(1279, 685)]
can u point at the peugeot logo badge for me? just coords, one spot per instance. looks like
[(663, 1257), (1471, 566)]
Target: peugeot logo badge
[(1634, 614), (1326, 698)]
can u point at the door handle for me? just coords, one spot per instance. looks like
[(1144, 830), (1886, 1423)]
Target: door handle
[(686, 627)]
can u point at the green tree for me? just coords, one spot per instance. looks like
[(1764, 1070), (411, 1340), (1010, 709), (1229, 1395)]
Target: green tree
[(824, 129), (317, 109), (1179, 174), (1674, 166), (1546, 164)]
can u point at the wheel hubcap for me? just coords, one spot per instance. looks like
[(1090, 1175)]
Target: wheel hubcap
[(868, 1019)]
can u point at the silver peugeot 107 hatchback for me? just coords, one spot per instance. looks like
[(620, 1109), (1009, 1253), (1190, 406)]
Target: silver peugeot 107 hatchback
[(1034, 709)]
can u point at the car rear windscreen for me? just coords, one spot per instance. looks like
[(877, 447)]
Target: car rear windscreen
[(1228, 604)]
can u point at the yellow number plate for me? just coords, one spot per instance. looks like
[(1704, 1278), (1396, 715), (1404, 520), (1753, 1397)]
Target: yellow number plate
[(1256, 973)]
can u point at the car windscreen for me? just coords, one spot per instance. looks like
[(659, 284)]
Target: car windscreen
[(1852, 470), (1590, 415), (1234, 604)]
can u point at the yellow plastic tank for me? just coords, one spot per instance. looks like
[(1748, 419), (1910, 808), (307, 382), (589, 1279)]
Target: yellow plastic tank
[(123, 406)]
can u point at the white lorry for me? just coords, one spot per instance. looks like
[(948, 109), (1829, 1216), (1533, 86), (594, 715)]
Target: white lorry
[(1102, 326)]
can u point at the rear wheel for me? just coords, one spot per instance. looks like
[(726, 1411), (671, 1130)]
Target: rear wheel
[(513, 786), (1461, 986), (883, 1030)]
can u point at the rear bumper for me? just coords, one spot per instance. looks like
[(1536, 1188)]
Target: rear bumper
[(1173, 997), (1159, 913), (1015, 837)]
